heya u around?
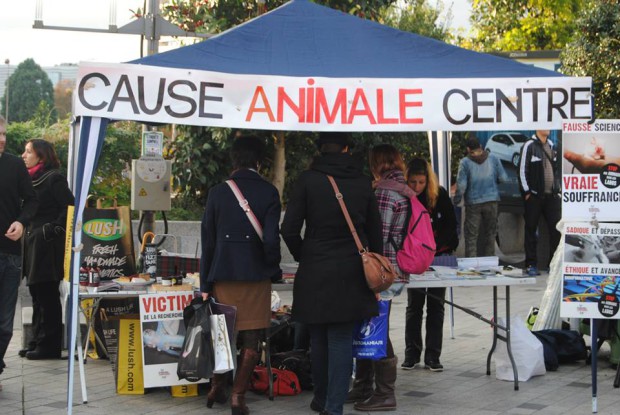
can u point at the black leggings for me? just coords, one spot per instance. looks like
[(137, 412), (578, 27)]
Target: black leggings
[(250, 339)]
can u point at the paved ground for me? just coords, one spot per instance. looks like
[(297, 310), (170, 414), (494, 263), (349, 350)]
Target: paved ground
[(40, 387)]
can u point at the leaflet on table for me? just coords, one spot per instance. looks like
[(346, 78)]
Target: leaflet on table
[(480, 263), (591, 270), (163, 333)]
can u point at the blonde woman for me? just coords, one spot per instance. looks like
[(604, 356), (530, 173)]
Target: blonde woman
[(422, 180)]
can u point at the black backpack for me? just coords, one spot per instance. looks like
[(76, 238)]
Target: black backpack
[(298, 362), (561, 346)]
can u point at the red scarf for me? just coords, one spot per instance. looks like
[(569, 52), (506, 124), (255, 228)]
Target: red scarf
[(36, 171)]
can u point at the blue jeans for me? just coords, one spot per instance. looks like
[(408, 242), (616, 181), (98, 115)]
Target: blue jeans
[(9, 285), (331, 349)]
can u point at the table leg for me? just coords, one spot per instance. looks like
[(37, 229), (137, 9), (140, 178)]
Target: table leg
[(451, 314), (495, 335), (508, 347)]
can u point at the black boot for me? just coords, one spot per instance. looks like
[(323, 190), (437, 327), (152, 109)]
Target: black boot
[(383, 398), (217, 393), (362, 385)]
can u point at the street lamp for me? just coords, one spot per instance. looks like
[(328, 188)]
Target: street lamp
[(6, 91)]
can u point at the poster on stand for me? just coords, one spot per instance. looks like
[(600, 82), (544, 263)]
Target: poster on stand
[(591, 270), (591, 170), (163, 332)]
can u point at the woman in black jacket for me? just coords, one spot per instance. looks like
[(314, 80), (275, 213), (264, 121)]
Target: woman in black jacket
[(423, 181), (330, 292), (44, 249), (237, 264)]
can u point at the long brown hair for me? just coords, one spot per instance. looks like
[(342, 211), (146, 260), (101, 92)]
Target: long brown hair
[(46, 152), (385, 157), (419, 166)]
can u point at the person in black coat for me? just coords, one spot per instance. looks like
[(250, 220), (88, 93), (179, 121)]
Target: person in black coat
[(330, 292), (239, 261), (44, 249)]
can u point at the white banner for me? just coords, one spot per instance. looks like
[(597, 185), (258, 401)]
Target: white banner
[(163, 332), (193, 97), (591, 270), (591, 170)]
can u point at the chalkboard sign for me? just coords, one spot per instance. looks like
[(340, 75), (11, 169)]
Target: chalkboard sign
[(108, 242)]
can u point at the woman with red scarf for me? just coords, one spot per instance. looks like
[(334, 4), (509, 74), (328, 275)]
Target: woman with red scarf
[(43, 249)]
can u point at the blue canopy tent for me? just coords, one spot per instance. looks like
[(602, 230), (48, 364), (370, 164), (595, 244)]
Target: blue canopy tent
[(307, 67)]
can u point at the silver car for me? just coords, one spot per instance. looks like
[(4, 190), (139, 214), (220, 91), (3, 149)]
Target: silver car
[(506, 146)]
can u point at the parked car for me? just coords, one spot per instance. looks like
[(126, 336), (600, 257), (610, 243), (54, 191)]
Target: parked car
[(506, 146)]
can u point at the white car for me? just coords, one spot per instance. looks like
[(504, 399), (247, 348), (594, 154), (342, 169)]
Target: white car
[(506, 146)]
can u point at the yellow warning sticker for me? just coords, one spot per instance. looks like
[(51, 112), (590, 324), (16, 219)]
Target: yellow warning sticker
[(142, 192)]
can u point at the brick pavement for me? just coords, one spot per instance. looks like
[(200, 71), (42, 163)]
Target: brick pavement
[(39, 387)]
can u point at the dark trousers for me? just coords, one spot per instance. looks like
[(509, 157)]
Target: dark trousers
[(551, 209), (434, 323), (9, 284), (331, 352), (46, 317)]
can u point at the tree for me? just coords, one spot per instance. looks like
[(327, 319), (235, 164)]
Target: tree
[(594, 52), (29, 85), (511, 25), (417, 16), (63, 93)]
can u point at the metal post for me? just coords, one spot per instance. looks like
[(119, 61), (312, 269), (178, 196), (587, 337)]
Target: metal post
[(6, 90)]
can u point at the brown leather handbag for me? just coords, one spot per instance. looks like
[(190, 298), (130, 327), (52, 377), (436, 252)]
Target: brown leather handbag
[(379, 272)]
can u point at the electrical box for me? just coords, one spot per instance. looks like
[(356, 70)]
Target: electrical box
[(150, 183)]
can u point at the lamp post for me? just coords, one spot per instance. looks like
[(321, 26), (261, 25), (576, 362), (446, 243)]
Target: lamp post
[(6, 90)]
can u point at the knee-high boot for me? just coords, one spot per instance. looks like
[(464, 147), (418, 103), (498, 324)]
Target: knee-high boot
[(383, 398), (249, 358), (362, 385), (217, 393)]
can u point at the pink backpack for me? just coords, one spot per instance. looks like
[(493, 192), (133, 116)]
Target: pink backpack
[(418, 249)]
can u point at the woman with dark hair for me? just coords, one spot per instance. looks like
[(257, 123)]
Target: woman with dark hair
[(44, 249), (330, 293), (423, 181), (388, 168), (239, 260)]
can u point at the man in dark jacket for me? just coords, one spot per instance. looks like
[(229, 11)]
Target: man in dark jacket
[(330, 292), (18, 204), (539, 181)]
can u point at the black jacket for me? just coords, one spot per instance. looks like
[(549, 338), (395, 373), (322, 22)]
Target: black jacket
[(231, 248), (18, 201), (531, 172), (444, 222), (44, 240), (329, 285)]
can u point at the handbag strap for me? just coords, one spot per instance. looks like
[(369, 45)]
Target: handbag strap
[(245, 205), (358, 242)]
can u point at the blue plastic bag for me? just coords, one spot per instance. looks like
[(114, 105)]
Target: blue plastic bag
[(370, 336)]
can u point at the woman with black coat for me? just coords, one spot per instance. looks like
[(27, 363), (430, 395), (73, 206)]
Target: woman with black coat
[(44, 249), (330, 293)]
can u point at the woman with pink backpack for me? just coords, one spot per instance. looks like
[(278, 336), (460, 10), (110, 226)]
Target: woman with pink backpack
[(423, 181)]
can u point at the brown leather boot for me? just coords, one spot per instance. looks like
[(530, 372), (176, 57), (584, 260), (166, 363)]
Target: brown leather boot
[(383, 398), (362, 385), (217, 393), (249, 358)]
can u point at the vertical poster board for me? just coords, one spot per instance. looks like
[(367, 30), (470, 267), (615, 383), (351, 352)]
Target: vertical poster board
[(591, 270), (163, 333), (108, 244), (591, 170)]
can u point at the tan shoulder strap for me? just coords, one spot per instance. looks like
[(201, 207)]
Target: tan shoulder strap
[(358, 242)]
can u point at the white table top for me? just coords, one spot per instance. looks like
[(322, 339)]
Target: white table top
[(439, 279)]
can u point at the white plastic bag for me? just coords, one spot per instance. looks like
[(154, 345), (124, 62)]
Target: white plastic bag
[(222, 350), (275, 301), (527, 352)]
